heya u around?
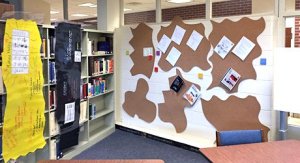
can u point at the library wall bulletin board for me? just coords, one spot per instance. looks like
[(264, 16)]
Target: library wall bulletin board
[(205, 76)]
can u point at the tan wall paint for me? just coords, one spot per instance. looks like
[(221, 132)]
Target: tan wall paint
[(38, 7)]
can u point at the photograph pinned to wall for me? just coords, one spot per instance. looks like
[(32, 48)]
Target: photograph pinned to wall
[(243, 48), (194, 40), (223, 47), (164, 43), (147, 51), (231, 78), (173, 56), (178, 34), (177, 84), (192, 94)]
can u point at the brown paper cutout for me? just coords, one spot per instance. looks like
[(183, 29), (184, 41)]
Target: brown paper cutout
[(136, 103), (188, 58), (234, 114), (173, 109), (142, 37), (235, 31)]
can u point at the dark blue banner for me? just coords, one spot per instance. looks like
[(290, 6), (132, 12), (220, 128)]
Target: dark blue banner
[(68, 72)]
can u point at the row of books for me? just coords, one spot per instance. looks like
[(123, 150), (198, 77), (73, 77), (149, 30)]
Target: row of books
[(100, 65), (98, 47), (52, 72), (96, 87), (48, 47)]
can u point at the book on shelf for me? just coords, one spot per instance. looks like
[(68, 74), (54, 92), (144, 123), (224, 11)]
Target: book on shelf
[(98, 66), (99, 47), (52, 46), (83, 91), (52, 98), (52, 72), (53, 125), (92, 111), (83, 111), (43, 48), (96, 87)]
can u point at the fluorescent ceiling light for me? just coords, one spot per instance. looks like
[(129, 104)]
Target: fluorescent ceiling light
[(54, 12), (79, 15), (53, 19), (87, 5), (179, 1), (127, 9)]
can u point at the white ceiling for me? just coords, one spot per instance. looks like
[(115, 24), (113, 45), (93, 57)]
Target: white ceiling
[(134, 5)]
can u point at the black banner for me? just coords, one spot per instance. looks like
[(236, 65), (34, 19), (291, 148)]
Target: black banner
[(68, 72)]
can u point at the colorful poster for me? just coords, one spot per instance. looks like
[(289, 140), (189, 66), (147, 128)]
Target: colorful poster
[(24, 118), (68, 73)]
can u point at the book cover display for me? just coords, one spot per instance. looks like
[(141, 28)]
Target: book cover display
[(231, 78), (177, 84), (192, 94), (68, 72)]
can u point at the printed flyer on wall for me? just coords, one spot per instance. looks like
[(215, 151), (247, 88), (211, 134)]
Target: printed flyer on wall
[(231, 78), (192, 94)]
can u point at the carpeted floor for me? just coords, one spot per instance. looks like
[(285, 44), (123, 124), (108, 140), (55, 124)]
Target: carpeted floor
[(125, 145)]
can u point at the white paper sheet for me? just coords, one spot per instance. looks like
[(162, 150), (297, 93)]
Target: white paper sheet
[(243, 48), (69, 112), (20, 52), (164, 43), (178, 34), (173, 56), (194, 40), (147, 51), (223, 47), (77, 56)]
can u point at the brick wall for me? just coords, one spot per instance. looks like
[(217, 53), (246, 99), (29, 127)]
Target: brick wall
[(186, 12), (297, 31), (227, 8), (138, 17), (233, 7), (297, 4)]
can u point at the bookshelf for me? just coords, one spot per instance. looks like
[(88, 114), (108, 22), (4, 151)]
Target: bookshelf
[(99, 88)]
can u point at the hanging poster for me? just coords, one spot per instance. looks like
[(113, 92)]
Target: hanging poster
[(24, 118), (68, 72)]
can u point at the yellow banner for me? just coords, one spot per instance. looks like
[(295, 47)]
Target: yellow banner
[(24, 118)]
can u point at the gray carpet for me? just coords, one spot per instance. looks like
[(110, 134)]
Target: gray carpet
[(125, 145)]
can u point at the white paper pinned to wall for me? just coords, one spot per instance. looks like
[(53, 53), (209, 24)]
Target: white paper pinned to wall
[(243, 48), (173, 56), (164, 43), (194, 40), (223, 47), (178, 34)]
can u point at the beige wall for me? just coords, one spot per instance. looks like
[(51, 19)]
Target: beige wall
[(290, 5), (38, 8), (262, 6)]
